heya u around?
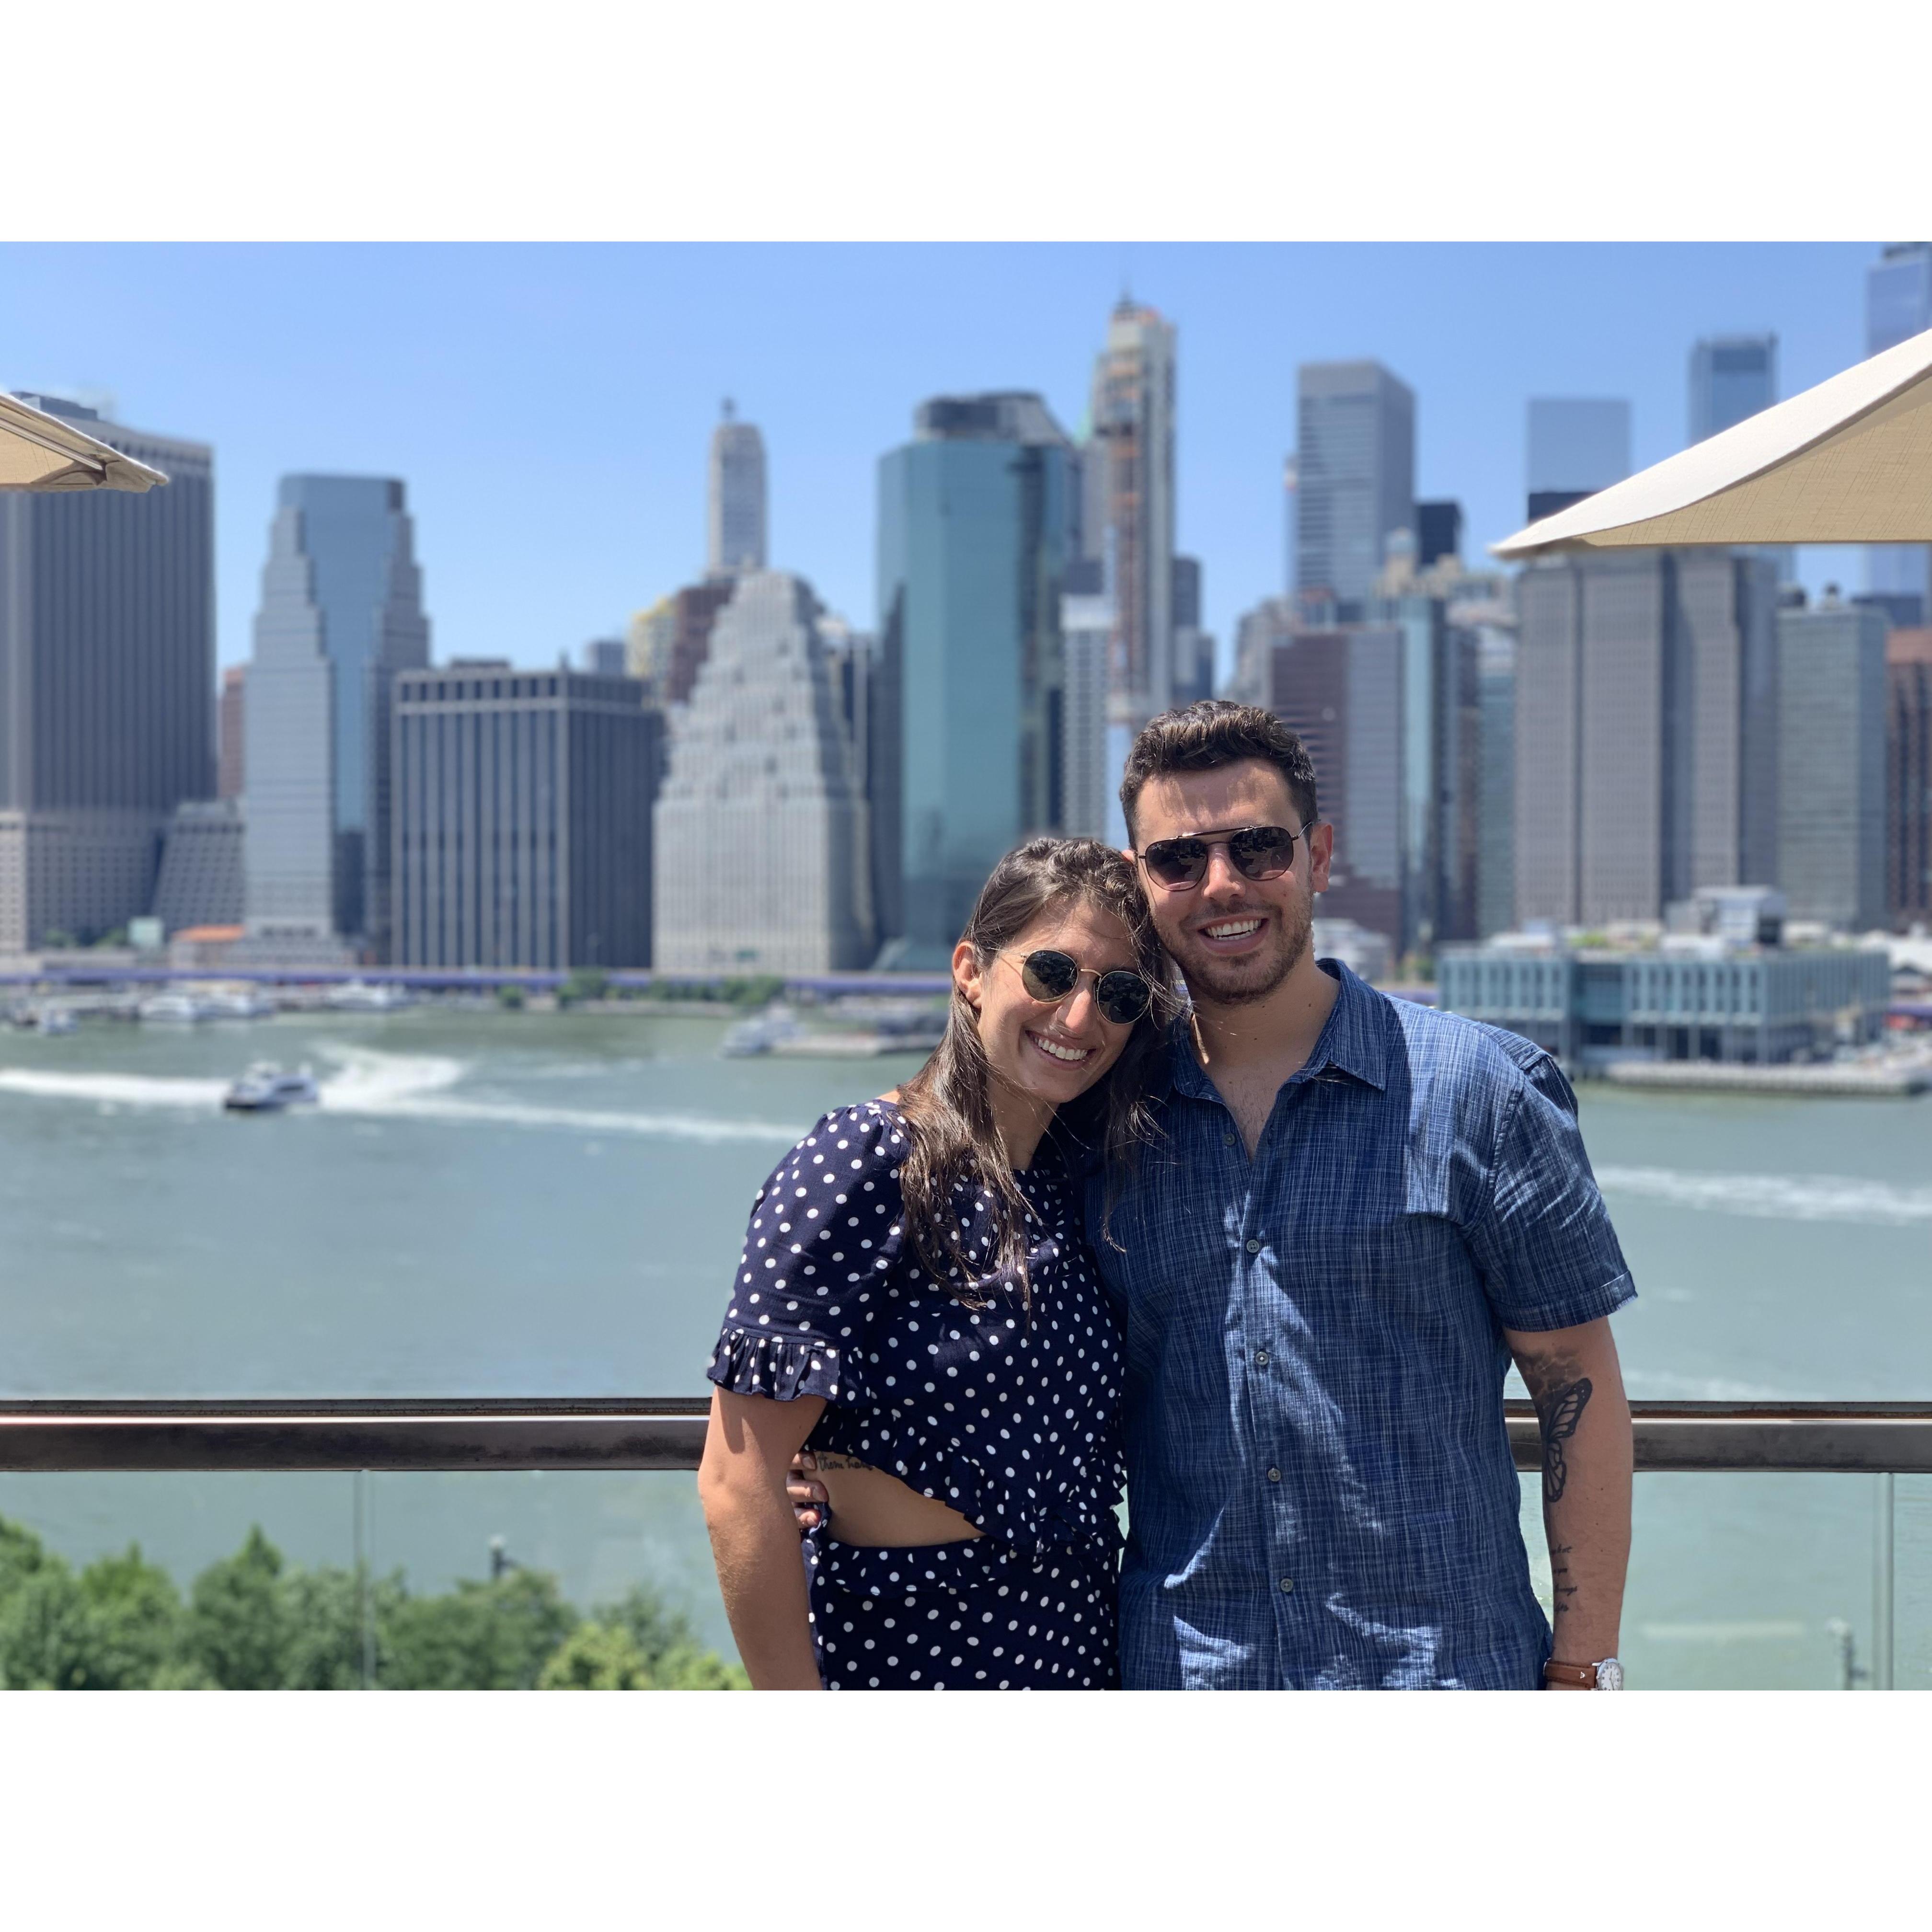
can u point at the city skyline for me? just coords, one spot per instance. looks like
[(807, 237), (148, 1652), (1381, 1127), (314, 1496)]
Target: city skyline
[(396, 361)]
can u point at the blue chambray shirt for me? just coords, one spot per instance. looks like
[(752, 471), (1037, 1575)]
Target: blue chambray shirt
[(1320, 1488)]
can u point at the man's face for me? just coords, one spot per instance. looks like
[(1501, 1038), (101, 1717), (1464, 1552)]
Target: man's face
[(1234, 939)]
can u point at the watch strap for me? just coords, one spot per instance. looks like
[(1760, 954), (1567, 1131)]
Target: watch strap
[(1577, 1676)]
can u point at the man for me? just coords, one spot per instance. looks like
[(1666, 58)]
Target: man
[(1358, 1210)]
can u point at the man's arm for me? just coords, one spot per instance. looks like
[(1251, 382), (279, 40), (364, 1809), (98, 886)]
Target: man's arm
[(1577, 1386)]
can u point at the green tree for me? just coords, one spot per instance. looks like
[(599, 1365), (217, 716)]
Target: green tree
[(497, 1636), (674, 1655), (595, 1657), (238, 1624), (587, 982), (324, 1611), (42, 1630), (131, 1622), (510, 998)]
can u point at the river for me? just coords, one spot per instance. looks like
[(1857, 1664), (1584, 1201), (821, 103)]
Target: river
[(537, 1205)]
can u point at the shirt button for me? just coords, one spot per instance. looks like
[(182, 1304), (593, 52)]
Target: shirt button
[(1287, 1585), (1274, 1475), (1227, 1140), (1254, 1247), (1260, 1358)]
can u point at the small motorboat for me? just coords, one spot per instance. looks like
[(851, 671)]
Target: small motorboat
[(173, 1009), (357, 996), (266, 1088), (762, 1033)]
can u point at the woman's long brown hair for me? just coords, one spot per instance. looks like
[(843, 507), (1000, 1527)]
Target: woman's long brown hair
[(948, 1105)]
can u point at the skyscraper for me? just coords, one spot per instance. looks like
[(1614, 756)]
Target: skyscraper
[(1496, 811), (1355, 468), (1088, 806), (736, 524), (761, 845), (1733, 377), (341, 614), (1193, 647), (1646, 694), (1128, 474), (1577, 445), (1898, 305), (522, 819), (231, 767), (107, 664), (1908, 775), (1830, 762), (973, 515)]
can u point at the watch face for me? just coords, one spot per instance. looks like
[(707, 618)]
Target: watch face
[(1609, 1674)]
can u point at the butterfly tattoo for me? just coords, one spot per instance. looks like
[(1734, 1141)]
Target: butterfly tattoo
[(1559, 1413)]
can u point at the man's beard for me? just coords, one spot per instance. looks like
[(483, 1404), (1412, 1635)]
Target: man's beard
[(1204, 979)]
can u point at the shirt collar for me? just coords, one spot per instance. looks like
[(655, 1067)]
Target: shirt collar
[(1354, 1041)]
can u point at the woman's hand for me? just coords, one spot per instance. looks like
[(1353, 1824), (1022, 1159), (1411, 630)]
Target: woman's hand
[(742, 1482), (810, 1505)]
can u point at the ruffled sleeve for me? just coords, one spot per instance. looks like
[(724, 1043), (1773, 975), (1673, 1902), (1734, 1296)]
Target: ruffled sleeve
[(824, 1232)]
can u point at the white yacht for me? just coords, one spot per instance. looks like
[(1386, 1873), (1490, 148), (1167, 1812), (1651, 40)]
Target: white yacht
[(777, 1023), (266, 1089), (173, 1008), (239, 1002), (358, 997)]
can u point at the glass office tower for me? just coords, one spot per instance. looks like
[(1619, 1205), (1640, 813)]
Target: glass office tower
[(974, 517), (341, 614), (1898, 305)]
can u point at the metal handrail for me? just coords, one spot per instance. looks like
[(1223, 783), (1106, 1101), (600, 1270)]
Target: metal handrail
[(666, 1433)]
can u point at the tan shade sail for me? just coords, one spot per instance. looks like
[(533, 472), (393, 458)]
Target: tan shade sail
[(1849, 461), (38, 451)]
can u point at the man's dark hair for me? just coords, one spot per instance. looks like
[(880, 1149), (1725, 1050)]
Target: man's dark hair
[(1205, 737)]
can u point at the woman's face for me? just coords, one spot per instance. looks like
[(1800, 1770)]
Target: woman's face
[(1050, 1052)]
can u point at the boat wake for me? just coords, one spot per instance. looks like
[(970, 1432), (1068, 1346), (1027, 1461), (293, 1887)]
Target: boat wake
[(370, 1085), (1776, 1197)]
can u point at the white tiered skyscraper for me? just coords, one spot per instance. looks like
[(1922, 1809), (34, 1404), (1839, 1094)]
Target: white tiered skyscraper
[(759, 830), (737, 521)]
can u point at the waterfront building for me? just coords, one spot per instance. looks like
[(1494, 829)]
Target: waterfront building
[(341, 616), (760, 829), (1908, 775), (1127, 476), (1645, 731), (973, 516), (1898, 305), (231, 767), (1577, 445), (106, 663), (607, 657), (200, 881), (1687, 998), (1831, 763), (523, 818), (735, 519), (1355, 462), (1089, 802), (1362, 952)]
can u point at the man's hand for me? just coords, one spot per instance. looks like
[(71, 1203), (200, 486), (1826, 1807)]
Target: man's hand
[(810, 1505)]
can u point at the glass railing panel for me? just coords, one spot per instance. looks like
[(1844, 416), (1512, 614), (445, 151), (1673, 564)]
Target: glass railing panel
[(1749, 1581), (481, 1581)]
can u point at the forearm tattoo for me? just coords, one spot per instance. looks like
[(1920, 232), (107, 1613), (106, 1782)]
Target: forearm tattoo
[(1561, 1589), (828, 1462), (1559, 1408)]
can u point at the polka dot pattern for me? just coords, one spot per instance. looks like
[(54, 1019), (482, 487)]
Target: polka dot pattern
[(1009, 1417), (977, 1616)]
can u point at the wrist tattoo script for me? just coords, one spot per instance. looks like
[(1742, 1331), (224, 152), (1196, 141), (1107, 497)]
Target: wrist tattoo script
[(1558, 1410), (827, 1462)]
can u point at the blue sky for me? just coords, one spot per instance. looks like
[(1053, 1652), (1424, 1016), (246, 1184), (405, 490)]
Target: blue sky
[(548, 405)]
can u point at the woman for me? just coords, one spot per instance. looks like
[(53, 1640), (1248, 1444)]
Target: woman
[(917, 1302)]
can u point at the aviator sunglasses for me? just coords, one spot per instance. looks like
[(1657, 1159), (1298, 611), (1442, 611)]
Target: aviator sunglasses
[(1049, 975), (1256, 852)]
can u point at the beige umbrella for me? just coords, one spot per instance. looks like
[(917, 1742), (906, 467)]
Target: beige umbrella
[(38, 451), (1849, 462)]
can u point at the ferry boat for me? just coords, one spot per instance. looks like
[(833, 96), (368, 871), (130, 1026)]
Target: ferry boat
[(266, 1089), (763, 1034), (176, 1009), (358, 997)]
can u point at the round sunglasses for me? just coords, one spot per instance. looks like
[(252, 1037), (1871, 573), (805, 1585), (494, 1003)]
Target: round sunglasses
[(1255, 851), (1049, 975)]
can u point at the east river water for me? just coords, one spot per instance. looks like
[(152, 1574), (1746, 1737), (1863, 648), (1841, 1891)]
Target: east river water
[(514, 1204)]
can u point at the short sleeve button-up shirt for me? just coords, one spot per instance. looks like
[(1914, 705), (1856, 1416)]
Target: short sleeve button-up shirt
[(1321, 1491)]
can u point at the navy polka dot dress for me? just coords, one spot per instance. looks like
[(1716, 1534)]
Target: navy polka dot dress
[(1008, 1415)]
